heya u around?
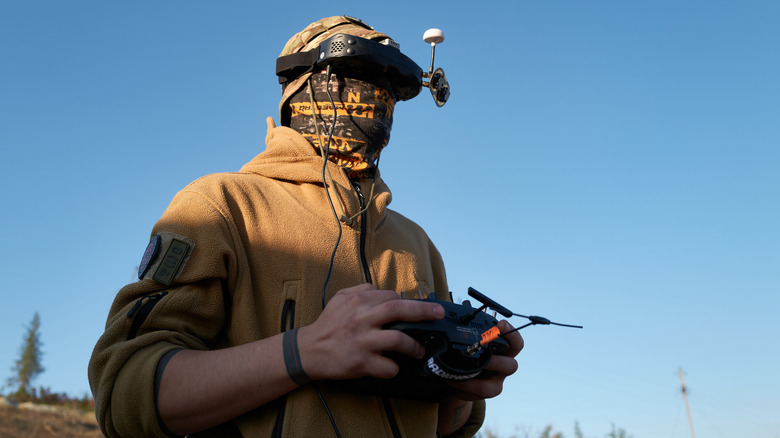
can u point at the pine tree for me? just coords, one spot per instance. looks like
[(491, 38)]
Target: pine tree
[(618, 433), (28, 366), (577, 430)]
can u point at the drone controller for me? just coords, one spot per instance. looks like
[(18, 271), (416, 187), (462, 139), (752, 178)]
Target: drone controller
[(450, 355)]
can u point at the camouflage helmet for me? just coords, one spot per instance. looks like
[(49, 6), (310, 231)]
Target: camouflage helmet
[(310, 38)]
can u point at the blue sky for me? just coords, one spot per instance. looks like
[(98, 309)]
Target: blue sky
[(606, 163)]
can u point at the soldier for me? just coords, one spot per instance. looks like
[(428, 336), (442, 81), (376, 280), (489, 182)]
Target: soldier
[(261, 290)]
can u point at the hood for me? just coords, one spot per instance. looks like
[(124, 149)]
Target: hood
[(290, 157)]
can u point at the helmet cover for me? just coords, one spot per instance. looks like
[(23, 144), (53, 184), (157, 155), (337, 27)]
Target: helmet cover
[(310, 38)]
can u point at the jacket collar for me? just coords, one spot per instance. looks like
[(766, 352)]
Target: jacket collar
[(290, 157)]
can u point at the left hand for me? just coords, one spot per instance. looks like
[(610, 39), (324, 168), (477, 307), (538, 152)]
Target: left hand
[(499, 368)]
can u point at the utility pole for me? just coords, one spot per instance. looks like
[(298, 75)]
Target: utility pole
[(685, 396)]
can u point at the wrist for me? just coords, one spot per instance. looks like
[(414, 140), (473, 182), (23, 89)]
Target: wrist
[(308, 352), (292, 358)]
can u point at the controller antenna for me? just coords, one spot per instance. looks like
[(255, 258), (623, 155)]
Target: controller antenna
[(486, 302), (467, 318), (539, 320), (494, 333)]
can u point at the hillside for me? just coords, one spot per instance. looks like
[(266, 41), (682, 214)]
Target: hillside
[(39, 421)]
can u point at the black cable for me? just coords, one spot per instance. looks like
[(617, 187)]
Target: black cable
[(327, 410), (326, 151), (537, 320), (545, 321)]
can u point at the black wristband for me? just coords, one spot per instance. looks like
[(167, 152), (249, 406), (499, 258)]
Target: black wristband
[(292, 358)]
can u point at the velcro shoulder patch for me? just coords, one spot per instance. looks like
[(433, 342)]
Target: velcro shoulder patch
[(165, 257)]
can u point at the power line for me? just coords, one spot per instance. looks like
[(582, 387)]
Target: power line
[(685, 396)]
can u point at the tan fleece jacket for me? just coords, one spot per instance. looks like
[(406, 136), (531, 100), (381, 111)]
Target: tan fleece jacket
[(261, 238)]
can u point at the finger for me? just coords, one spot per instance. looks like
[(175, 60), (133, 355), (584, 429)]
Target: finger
[(407, 310), (366, 293), (491, 383), (368, 364), (375, 365), (516, 342), (395, 340), (383, 367), (502, 365), (478, 389), (359, 300)]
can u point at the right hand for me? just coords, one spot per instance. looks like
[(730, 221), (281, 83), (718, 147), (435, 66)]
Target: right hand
[(347, 340)]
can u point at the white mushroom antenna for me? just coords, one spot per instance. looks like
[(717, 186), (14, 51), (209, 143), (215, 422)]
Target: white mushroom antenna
[(437, 81), (433, 36)]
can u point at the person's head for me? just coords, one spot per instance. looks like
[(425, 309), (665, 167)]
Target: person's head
[(364, 102)]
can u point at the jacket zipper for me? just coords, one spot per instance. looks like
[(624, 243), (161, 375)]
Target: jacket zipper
[(364, 260), (363, 229), (141, 310), (391, 417)]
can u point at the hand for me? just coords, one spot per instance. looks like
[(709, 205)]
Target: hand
[(499, 368), (347, 340)]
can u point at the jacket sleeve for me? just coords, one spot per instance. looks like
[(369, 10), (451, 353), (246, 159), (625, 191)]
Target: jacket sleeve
[(149, 319), (474, 422)]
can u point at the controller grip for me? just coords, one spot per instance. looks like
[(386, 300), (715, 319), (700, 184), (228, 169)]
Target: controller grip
[(446, 358)]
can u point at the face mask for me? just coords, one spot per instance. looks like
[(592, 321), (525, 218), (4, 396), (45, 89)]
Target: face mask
[(364, 117)]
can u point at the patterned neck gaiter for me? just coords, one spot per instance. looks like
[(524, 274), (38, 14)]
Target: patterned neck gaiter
[(364, 118)]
